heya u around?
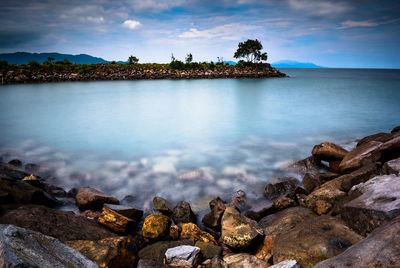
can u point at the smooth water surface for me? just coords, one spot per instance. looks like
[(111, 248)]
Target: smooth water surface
[(143, 137)]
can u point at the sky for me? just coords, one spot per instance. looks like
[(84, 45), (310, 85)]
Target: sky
[(331, 33)]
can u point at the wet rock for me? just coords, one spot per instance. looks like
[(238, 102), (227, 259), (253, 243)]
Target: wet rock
[(366, 152), (208, 250), (72, 192), (157, 250), (238, 231), (360, 175), (378, 202), (286, 264), (381, 137), (31, 167), (89, 198), (307, 165), (110, 252), (20, 247), (279, 187), (64, 225), (298, 234), (192, 232), (22, 192), (390, 149), (265, 249), (174, 232), (213, 219), (244, 260), (395, 130), (156, 226), (145, 263), (127, 211), (15, 163), (116, 221), (240, 201), (334, 166), (392, 167), (310, 181), (326, 176), (326, 194), (183, 213), (380, 249), (12, 171), (183, 256), (328, 151), (283, 203), (162, 205)]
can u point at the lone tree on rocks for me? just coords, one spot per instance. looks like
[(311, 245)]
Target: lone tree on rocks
[(251, 50), (133, 60)]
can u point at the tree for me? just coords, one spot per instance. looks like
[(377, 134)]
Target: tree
[(251, 50), (189, 58), (133, 60)]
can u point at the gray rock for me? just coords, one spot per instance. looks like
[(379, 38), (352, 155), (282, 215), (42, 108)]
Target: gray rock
[(162, 205), (183, 256), (279, 187), (308, 165), (20, 247), (392, 167), (378, 202), (183, 213), (380, 249), (244, 260), (12, 171), (213, 219), (286, 264)]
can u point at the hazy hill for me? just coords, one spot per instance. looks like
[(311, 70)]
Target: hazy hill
[(294, 64), (25, 57)]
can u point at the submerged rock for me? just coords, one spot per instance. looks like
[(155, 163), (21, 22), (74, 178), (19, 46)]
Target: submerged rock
[(20, 247), (380, 249), (279, 187), (238, 231), (110, 252), (89, 198), (183, 213), (328, 151), (183, 256), (156, 226)]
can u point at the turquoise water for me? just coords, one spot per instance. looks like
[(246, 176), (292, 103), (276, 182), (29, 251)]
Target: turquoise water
[(140, 137)]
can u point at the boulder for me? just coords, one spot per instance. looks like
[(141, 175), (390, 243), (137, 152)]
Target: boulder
[(379, 249), (192, 232), (208, 250), (360, 175), (392, 167), (156, 226), (22, 192), (328, 151), (89, 198), (213, 219), (310, 181), (327, 176), (308, 165), (162, 205), (298, 234), (286, 264), (64, 225), (183, 213), (244, 260), (238, 231), (110, 252), (366, 152), (127, 211), (322, 199), (20, 247), (279, 187), (378, 202), (381, 137), (334, 166), (391, 149), (12, 171), (116, 221), (183, 256)]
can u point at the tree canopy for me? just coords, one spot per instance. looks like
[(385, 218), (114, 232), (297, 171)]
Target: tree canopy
[(251, 50), (133, 60)]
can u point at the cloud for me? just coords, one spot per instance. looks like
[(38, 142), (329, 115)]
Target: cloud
[(155, 5), (231, 31), (319, 8), (363, 23), (131, 24)]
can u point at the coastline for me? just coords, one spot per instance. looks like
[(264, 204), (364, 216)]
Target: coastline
[(346, 202), (98, 72)]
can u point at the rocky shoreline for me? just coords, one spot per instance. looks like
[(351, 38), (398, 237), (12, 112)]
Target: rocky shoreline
[(99, 72), (344, 213)]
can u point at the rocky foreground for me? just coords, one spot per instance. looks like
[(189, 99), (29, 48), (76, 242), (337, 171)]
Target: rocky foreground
[(344, 213), (18, 74)]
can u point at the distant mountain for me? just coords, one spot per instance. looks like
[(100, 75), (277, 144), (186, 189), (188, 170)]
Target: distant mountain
[(230, 62), (25, 57), (294, 64)]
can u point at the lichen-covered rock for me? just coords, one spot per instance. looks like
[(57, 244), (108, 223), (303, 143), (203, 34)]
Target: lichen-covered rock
[(208, 250), (156, 226), (379, 249), (64, 225), (115, 221), (378, 202), (284, 202), (20, 247), (326, 194), (183, 256), (183, 213), (238, 231), (192, 232), (89, 198), (366, 152), (162, 205), (242, 260), (127, 211), (265, 249), (279, 187), (110, 252), (213, 219), (328, 151), (392, 167)]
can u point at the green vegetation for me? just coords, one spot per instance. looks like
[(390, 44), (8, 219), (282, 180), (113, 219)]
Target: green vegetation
[(251, 50), (133, 60)]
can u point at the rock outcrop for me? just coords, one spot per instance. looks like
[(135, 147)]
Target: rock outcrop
[(89, 198)]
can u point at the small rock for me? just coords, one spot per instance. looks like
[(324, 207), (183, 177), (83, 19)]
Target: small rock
[(127, 211), (30, 167), (162, 205), (283, 203), (174, 232), (328, 151), (279, 187), (15, 163), (156, 226), (183, 256), (183, 213), (192, 232), (89, 198), (116, 221), (238, 231), (91, 215), (307, 165), (242, 260), (213, 219)]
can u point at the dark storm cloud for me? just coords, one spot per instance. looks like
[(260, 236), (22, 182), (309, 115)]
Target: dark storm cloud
[(11, 39)]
